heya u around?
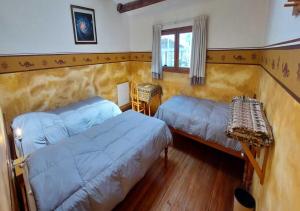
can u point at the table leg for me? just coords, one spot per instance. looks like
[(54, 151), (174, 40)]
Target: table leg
[(149, 109), (166, 157)]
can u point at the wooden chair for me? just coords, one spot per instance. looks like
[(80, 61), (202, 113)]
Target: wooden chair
[(137, 105)]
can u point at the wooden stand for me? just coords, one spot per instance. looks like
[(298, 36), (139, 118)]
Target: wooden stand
[(252, 138), (250, 153)]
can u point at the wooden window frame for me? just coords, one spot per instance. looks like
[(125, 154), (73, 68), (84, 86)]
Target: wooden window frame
[(176, 32)]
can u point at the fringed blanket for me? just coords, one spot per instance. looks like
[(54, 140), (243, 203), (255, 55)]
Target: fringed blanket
[(248, 122)]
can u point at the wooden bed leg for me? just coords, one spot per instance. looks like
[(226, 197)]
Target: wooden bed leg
[(149, 109), (248, 171), (166, 157)]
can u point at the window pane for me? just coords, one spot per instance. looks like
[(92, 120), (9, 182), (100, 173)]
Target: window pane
[(185, 49), (168, 50)]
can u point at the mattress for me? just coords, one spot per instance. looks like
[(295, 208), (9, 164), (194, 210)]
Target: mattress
[(94, 170), (204, 118)]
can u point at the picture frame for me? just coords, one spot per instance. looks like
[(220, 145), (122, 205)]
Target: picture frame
[(84, 25)]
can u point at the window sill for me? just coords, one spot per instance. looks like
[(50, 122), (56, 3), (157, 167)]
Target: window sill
[(176, 70)]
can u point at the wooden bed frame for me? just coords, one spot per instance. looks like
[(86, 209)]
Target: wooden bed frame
[(248, 169), (19, 192), (212, 144), (21, 195)]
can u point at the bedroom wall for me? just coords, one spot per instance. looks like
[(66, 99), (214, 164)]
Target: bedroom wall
[(282, 185), (46, 89), (60, 72), (43, 27), (225, 31), (232, 24), (223, 81), (281, 97), (228, 73), (51, 77), (44, 82)]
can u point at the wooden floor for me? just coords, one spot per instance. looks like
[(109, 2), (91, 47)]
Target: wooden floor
[(197, 178)]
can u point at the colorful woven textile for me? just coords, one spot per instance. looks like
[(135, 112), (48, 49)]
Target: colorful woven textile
[(248, 122), (147, 91)]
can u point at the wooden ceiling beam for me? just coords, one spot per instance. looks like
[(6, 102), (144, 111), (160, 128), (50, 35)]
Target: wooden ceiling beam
[(295, 4), (291, 4), (135, 5)]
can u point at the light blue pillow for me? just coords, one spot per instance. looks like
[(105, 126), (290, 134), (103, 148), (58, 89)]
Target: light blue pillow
[(43, 128), (53, 128), (85, 114), (39, 129)]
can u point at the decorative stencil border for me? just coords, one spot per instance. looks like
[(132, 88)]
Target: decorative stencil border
[(141, 56), (284, 67), (214, 56), (233, 56), (282, 64), (9, 64)]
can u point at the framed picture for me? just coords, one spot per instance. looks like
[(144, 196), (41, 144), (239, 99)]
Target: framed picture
[(84, 25)]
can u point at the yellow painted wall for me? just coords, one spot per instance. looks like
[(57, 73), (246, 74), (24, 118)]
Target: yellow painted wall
[(222, 83), (47, 89), (281, 190), (50, 88)]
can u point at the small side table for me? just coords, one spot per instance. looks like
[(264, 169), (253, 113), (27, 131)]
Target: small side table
[(147, 92)]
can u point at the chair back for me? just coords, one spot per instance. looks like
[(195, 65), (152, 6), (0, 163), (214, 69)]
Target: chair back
[(134, 94)]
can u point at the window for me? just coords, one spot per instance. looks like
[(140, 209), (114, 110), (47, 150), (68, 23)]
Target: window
[(168, 50), (176, 47)]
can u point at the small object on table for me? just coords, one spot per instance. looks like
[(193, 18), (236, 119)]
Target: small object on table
[(146, 93), (249, 125)]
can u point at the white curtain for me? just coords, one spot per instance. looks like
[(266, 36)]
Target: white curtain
[(156, 53), (199, 46)]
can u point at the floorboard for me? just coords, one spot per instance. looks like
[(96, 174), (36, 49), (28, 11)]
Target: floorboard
[(197, 178)]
